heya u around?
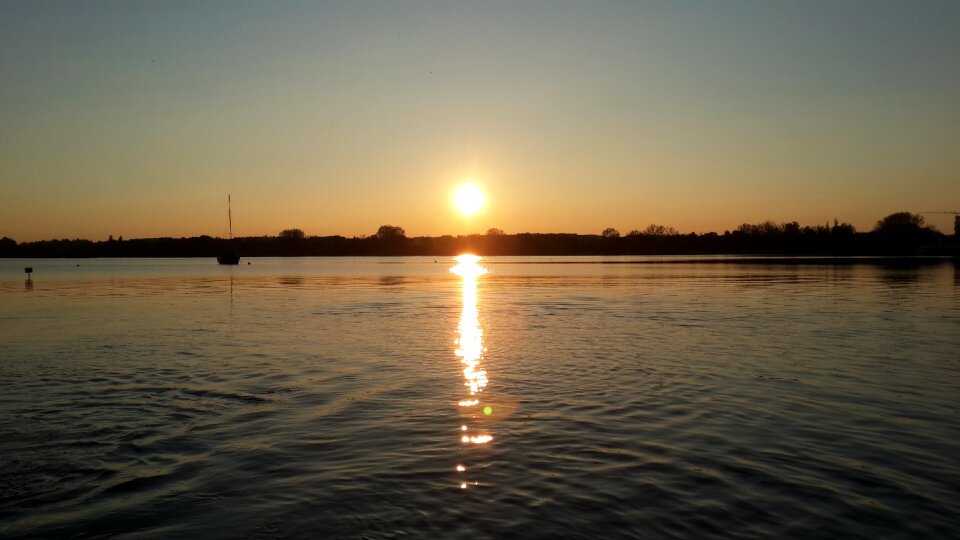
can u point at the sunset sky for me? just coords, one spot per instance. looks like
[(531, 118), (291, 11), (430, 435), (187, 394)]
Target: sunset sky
[(138, 118)]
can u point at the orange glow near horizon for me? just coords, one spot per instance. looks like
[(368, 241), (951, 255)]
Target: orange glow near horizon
[(331, 121)]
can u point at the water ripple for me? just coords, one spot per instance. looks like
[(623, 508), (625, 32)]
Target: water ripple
[(319, 399)]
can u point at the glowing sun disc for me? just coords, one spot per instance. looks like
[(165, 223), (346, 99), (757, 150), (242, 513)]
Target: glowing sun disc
[(469, 199)]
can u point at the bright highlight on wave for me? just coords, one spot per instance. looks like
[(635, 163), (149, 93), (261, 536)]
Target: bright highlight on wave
[(468, 269), (477, 439), (470, 342), (467, 258), (470, 349)]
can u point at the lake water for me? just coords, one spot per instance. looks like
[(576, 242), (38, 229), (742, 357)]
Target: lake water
[(546, 398)]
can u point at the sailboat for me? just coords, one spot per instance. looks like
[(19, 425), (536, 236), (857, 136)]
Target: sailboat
[(229, 257)]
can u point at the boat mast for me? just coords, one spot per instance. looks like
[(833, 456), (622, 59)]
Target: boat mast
[(230, 216)]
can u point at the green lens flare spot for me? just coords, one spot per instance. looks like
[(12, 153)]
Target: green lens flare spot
[(488, 410)]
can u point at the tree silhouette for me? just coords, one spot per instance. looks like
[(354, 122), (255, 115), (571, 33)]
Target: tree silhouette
[(660, 230), (294, 234), (904, 233), (494, 232), (769, 228), (842, 229), (390, 231), (8, 247), (761, 238), (899, 222)]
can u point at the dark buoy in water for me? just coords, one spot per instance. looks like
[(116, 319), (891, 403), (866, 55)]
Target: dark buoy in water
[(28, 270), (248, 263), (29, 283)]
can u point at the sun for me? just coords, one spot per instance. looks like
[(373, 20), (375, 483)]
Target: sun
[(469, 199)]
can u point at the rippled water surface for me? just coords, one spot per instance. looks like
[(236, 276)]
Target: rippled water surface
[(545, 398)]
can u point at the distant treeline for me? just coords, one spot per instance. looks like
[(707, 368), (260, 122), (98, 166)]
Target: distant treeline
[(897, 234)]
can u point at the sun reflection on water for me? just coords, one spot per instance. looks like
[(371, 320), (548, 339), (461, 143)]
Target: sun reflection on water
[(470, 341), (469, 349)]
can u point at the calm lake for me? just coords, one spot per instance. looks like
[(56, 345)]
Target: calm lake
[(565, 397)]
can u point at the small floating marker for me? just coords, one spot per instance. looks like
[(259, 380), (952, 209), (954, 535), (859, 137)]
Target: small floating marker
[(28, 270), (488, 410)]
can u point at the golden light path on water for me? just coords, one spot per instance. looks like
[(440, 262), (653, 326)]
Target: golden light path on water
[(469, 349)]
